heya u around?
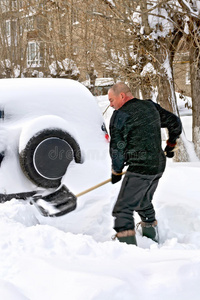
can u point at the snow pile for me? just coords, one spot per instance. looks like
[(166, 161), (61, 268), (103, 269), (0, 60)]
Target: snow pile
[(73, 256)]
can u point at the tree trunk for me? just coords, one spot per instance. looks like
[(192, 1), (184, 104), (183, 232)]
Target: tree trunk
[(195, 91), (167, 99)]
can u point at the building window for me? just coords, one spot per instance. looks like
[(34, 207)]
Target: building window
[(33, 59), (21, 29), (75, 50), (14, 5), (14, 31), (74, 16), (7, 28), (187, 75), (21, 4), (5, 5), (22, 53), (30, 24)]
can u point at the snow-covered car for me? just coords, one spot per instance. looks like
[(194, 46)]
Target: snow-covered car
[(52, 134)]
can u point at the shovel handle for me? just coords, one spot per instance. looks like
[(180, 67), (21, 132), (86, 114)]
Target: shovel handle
[(96, 186)]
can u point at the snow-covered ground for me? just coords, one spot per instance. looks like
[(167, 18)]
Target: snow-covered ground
[(73, 256)]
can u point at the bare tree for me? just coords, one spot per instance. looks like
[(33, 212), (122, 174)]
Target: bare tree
[(33, 35), (10, 40), (192, 19), (195, 88), (145, 33)]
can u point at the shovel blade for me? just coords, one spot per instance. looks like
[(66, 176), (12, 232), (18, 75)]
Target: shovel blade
[(18, 196), (56, 204)]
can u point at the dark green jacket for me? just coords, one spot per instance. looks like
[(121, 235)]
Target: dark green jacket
[(135, 131)]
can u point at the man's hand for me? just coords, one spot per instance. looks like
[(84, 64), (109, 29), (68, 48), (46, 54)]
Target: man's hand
[(169, 150), (115, 177)]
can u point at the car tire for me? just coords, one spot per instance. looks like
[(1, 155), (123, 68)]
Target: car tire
[(47, 155)]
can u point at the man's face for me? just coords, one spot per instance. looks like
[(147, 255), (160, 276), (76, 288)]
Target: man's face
[(116, 101)]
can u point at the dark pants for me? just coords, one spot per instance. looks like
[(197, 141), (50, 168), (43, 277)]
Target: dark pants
[(136, 194)]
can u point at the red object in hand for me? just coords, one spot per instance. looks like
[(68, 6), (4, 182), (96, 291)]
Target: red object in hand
[(107, 137), (171, 144)]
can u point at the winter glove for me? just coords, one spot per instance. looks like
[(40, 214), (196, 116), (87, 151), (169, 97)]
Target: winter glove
[(169, 149), (115, 177)]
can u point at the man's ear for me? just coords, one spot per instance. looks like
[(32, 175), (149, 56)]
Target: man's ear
[(123, 97)]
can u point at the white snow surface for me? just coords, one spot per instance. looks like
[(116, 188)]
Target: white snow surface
[(73, 256)]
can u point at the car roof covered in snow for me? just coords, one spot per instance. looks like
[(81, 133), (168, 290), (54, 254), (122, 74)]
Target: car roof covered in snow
[(26, 97)]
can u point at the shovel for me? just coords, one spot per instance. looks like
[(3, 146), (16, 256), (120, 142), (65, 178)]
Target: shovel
[(54, 204), (58, 203)]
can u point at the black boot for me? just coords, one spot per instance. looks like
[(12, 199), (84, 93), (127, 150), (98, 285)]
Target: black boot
[(150, 230), (127, 236), (128, 239)]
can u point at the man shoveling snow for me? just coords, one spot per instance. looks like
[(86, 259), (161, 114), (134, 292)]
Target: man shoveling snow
[(135, 129)]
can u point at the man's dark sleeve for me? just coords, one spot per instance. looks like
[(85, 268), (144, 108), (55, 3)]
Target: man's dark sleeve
[(117, 142), (171, 122)]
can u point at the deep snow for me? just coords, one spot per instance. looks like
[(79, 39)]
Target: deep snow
[(73, 257)]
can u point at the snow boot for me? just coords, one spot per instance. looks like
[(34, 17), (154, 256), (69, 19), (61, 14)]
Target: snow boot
[(150, 230), (127, 236)]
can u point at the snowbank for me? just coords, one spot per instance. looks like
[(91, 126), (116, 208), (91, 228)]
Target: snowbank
[(73, 256)]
